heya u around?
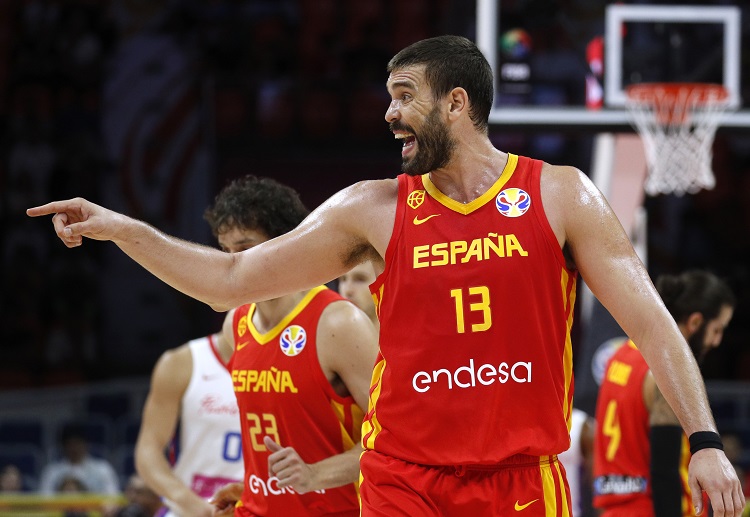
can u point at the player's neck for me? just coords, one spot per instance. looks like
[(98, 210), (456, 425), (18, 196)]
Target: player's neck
[(470, 173), (268, 314)]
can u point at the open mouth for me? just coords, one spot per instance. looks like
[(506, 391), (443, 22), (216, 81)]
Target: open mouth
[(409, 142)]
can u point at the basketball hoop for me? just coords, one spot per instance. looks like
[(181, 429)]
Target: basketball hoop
[(677, 123)]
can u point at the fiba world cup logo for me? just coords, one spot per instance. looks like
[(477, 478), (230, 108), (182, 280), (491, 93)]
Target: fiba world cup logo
[(293, 339), (513, 202)]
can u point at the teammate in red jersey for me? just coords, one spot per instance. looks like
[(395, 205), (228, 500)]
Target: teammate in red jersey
[(459, 333), (300, 369), (641, 453)]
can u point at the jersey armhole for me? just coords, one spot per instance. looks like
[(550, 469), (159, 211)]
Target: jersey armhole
[(398, 223), (535, 167)]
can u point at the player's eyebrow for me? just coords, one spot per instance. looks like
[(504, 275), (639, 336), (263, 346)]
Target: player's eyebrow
[(401, 83)]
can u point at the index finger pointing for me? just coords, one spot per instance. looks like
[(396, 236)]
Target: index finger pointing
[(48, 209)]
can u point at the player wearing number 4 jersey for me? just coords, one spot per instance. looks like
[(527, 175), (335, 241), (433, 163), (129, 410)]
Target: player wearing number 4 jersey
[(300, 370), (476, 360), (641, 454)]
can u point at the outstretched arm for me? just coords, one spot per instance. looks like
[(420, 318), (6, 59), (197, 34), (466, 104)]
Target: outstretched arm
[(584, 223), (169, 381), (355, 221)]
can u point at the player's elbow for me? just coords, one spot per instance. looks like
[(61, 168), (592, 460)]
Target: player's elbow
[(142, 460)]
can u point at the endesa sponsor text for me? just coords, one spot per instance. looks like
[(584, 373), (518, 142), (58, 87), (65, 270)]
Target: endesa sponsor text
[(470, 376)]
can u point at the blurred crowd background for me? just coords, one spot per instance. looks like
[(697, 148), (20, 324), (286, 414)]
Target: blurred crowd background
[(150, 106)]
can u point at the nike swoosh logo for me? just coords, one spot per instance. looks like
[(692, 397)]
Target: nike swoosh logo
[(242, 345), (520, 507), (418, 221)]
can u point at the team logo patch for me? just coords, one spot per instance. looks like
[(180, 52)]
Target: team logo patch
[(242, 326), (293, 340), (415, 199), (513, 202)]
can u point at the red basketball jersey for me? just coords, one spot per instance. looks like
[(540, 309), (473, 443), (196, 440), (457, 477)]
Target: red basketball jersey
[(622, 450), (476, 306), (283, 393), (621, 446)]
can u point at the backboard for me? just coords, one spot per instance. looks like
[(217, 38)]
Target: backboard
[(659, 43), (643, 43)]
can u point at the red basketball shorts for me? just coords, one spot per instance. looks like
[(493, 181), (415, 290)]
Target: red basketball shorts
[(526, 486)]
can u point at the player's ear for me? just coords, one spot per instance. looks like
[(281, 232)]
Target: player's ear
[(694, 322), (459, 102)]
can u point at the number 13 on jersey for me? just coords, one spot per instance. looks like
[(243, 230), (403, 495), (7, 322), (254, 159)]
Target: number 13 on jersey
[(478, 300)]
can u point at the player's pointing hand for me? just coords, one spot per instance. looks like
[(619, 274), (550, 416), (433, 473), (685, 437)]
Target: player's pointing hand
[(77, 218)]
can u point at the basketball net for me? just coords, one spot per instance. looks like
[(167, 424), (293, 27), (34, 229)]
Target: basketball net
[(677, 123)]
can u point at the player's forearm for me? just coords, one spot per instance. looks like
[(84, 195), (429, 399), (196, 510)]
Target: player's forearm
[(677, 375), (201, 272), (153, 467), (338, 470)]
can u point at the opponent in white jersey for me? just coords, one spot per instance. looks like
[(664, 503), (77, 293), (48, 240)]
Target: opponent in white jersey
[(577, 460), (191, 385)]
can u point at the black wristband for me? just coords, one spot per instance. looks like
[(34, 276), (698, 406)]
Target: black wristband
[(705, 440)]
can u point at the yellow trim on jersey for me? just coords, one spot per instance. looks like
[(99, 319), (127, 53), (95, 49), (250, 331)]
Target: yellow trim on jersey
[(468, 208), (567, 358), (268, 336), (372, 425), (349, 437)]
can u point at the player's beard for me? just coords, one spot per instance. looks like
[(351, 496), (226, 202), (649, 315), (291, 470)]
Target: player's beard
[(434, 146), (697, 343)]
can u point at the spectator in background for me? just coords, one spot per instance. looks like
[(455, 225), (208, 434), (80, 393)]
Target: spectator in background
[(97, 475), (11, 479), (141, 500), (70, 484)]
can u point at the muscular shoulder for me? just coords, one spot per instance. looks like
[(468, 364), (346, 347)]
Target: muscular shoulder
[(574, 206), (342, 328), (561, 185), (370, 207), (378, 191), (343, 315)]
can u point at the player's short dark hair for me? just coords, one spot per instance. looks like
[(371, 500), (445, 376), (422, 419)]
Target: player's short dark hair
[(694, 291), (451, 62), (253, 203)]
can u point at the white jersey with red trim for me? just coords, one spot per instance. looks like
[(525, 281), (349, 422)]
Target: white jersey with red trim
[(208, 443)]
